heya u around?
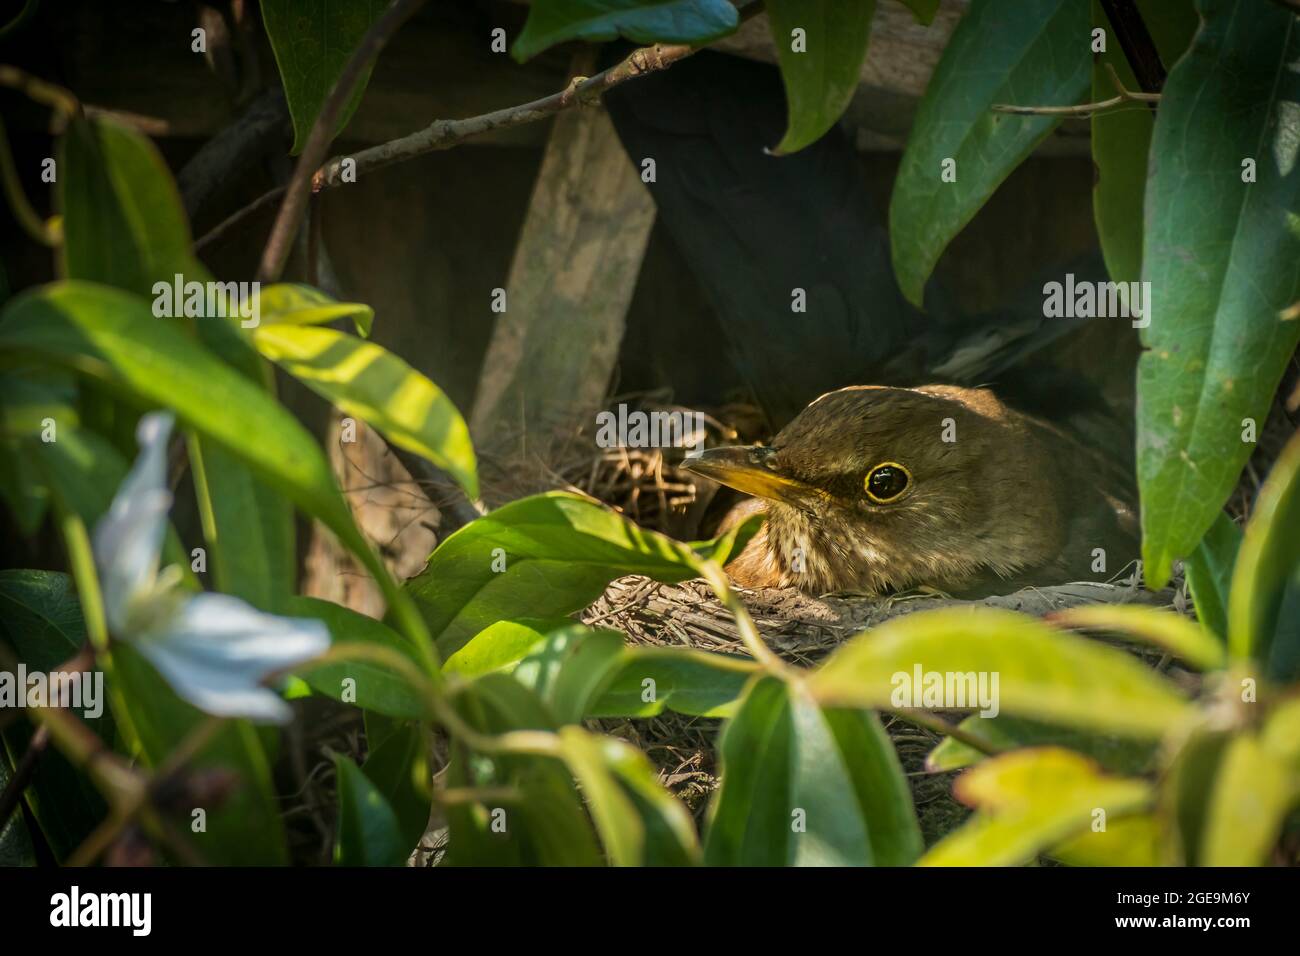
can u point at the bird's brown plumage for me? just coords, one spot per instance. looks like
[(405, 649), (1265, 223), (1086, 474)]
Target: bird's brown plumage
[(995, 499)]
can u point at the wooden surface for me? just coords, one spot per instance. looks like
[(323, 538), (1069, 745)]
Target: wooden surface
[(574, 270)]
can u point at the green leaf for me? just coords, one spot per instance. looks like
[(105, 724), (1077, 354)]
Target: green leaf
[(1223, 258), (1121, 138), (123, 223), (288, 303), (500, 645), (1183, 807), (24, 494), (809, 787), (1042, 673), (377, 688), (84, 470), (399, 769), (244, 828), (1267, 562), (28, 396), (40, 619), (1128, 841), (1167, 630), (821, 77), (112, 336), (1032, 54), (1254, 790), (252, 559), (545, 556), (639, 822), (124, 226), (691, 682), (570, 668), (1030, 801), (312, 43), (1118, 754), (644, 21), (546, 823), (1209, 573), (368, 833), (372, 383)]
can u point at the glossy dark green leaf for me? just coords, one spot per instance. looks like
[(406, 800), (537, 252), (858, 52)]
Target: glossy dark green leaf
[(821, 66), (40, 619), (367, 833), (1033, 53), (881, 787), (1223, 259), (1209, 573), (807, 786), (643, 21), (545, 556), (312, 43), (366, 683), (1121, 138), (399, 769), (1267, 566)]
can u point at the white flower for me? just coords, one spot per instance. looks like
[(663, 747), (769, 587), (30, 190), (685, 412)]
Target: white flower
[(214, 650)]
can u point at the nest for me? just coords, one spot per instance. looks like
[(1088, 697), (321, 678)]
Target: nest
[(804, 630)]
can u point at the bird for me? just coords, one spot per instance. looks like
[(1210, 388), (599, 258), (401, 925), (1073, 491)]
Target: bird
[(878, 490)]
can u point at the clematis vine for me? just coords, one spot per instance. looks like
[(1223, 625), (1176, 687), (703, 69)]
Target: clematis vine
[(213, 649)]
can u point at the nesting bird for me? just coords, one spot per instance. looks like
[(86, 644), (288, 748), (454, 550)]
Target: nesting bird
[(876, 490)]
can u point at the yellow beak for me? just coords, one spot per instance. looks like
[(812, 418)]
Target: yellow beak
[(748, 468)]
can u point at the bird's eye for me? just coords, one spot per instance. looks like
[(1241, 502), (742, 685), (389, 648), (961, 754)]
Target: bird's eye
[(886, 482)]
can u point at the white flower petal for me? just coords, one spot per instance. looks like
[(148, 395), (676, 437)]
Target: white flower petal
[(216, 650), (128, 539)]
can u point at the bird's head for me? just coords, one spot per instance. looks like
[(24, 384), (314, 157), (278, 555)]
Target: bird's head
[(876, 488)]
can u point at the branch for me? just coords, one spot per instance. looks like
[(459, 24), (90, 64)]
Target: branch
[(23, 773), (444, 134), (322, 133), (65, 106), (231, 150), (1082, 109), (1135, 40)]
